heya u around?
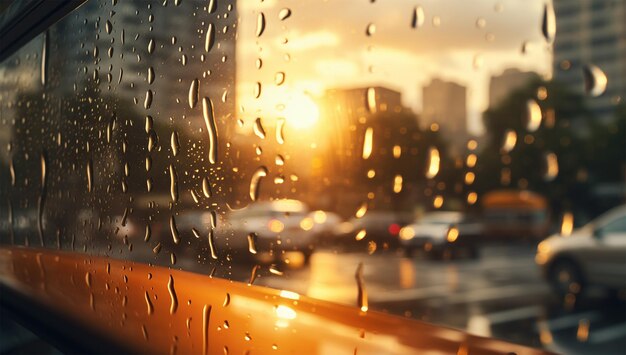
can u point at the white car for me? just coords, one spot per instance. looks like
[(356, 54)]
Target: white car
[(440, 233), (594, 255), (269, 227)]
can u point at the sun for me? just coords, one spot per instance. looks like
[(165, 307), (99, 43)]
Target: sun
[(301, 111)]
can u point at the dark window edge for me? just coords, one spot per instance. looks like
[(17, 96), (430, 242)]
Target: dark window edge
[(24, 20)]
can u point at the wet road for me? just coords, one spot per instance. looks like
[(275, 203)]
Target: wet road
[(501, 294)]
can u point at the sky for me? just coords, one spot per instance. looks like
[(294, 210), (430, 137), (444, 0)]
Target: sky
[(324, 44)]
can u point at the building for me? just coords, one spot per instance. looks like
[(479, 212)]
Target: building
[(501, 86), (445, 109), (364, 101), (592, 32)]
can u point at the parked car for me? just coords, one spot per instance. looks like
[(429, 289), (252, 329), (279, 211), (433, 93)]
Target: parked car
[(441, 234), (380, 227), (267, 229), (594, 255)]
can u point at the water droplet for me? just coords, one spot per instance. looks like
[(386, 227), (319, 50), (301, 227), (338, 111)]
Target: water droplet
[(252, 237), (212, 245), (567, 224), (481, 22), (371, 100), (173, 183), (258, 128), (533, 115), (255, 182), (150, 75), (361, 234), (226, 300), (88, 279), (595, 80), (148, 233), (247, 337), (193, 93), (212, 6), (433, 163), (173, 298), (124, 217), (44, 58), (210, 38), (284, 14), (279, 78), (174, 230), (151, 46), (108, 26), (478, 61), (148, 101), (12, 172), (552, 167), (274, 270), (362, 293), (149, 305), (370, 30), (417, 20), (157, 248), (257, 90), (253, 274), (280, 127), (368, 142), (89, 175), (548, 26), (397, 183), (174, 143), (152, 138), (209, 120), (206, 317), (279, 160), (42, 196), (510, 139), (260, 24), (361, 211), (206, 187)]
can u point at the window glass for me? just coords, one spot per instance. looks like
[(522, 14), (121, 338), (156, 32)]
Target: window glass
[(304, 142)]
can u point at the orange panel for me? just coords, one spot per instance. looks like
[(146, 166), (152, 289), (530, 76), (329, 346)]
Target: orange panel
[(158, 310)]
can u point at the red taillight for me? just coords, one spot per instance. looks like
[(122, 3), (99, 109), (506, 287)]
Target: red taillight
[(394, 229)]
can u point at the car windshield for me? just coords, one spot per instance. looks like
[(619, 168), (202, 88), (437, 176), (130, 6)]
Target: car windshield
[(419, 161)]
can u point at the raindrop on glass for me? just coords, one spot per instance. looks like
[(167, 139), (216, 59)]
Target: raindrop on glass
[(174, 230), (193, 93), (362, 301), (417, 19), (548, 25), (595, 80), (284, 14), (209, 120), (258, 128), (260, 24), (255, 182), (533, 115)]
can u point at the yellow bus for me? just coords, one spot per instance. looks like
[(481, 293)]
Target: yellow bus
[(515, 214)]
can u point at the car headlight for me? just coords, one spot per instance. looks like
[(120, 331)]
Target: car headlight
[(407, 233)]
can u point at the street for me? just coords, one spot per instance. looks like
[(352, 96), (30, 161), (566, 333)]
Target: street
[(501, 294)]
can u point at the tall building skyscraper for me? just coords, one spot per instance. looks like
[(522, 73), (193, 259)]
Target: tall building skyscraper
[(445, 109), (501, 86), (592, 32)]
